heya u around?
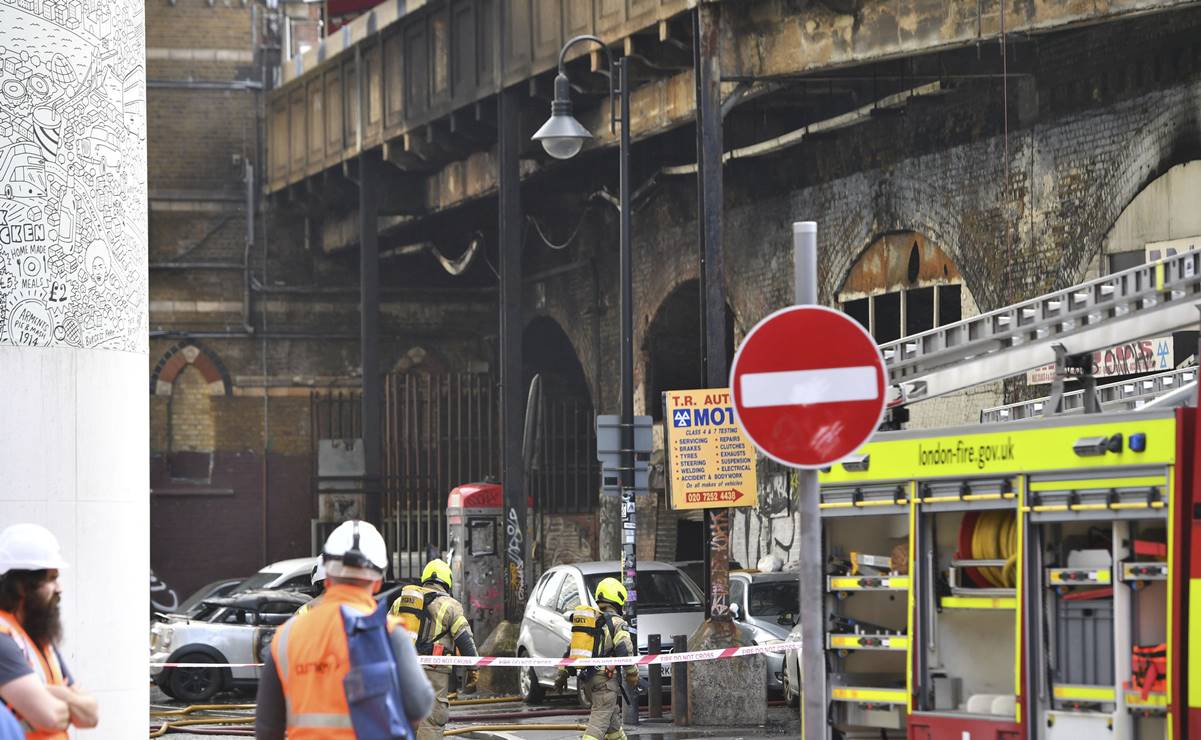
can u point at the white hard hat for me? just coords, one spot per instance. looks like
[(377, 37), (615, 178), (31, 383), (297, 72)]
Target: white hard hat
[(355, 549), (318, 572), (29, 547)]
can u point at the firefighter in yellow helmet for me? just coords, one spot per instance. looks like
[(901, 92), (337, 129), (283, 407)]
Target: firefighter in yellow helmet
[(602, 633), (439, 627)]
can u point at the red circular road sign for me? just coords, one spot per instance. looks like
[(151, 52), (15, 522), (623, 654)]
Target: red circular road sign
[(808, 386)]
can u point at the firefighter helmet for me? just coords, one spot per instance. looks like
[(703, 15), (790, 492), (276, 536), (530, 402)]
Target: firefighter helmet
[(612, 591), (437, 570)]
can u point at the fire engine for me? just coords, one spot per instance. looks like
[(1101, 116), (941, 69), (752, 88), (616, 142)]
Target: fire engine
[(1032, 576)]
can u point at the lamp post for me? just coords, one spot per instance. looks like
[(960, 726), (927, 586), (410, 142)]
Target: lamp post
[(562, 136)]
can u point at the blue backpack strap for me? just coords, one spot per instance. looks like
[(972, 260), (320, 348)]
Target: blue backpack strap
[(372, 684)]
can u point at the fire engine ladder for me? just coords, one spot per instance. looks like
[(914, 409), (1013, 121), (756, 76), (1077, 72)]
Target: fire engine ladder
[(1145, 301), (1123, 396)]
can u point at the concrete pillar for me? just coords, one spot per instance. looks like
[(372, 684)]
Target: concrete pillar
[(73, 326)]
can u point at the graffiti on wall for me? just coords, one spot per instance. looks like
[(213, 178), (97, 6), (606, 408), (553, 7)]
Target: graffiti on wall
[(719, 547), (515, 558), (770, 529), (73, 175), (163, 598)]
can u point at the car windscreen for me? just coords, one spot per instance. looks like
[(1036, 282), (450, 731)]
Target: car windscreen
[(258, 580), (659, 590), (191, 603), (773, 599)]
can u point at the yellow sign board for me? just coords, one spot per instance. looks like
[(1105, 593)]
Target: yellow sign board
[(711, 462)]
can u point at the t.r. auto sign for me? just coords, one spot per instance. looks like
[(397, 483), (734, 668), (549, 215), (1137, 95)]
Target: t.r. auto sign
[(1141, 356)]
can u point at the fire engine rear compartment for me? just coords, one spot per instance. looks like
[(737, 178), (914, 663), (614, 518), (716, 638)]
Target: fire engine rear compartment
[(1037, 591)]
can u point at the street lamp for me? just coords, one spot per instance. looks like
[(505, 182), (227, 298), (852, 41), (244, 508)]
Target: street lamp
[(562, 137)]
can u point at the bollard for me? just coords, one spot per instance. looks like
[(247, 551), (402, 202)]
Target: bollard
[(654, 709), (679, 683)]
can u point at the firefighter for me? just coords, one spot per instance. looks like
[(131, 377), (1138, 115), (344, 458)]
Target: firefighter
[(601, 633), (318, 581), (323, 680), (439, 627)]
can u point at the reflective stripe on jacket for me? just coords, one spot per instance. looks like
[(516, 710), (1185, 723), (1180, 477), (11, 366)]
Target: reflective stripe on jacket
[(45, 666), (312, 658)]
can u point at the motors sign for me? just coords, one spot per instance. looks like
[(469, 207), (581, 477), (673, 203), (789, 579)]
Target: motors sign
[(1141, 356), (711, 463)]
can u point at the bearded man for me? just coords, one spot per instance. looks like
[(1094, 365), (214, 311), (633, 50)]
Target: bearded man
[(34, 682)]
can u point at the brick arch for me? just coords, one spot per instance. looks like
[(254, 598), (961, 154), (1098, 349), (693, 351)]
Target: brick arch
[(175, 360)]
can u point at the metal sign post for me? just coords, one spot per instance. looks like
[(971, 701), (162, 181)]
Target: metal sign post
[(812, 611)]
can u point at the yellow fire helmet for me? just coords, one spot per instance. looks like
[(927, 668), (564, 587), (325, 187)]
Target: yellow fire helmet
[(437, 570), (612, 591)]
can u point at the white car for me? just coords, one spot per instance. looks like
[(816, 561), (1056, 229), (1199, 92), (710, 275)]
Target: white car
[(767, 604), (669, 604), (230, 629), (293, 575)]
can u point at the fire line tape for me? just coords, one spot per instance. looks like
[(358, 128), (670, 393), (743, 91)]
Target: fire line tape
[(487, 661)]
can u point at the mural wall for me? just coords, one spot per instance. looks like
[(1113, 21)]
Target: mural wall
[(72, 174)]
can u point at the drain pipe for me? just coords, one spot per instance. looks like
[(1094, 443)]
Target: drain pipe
[(250, 224)]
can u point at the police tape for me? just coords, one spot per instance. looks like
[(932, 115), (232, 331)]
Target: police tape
[(510, 662)]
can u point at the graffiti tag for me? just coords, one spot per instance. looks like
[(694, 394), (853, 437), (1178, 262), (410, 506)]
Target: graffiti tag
[(162, 597)]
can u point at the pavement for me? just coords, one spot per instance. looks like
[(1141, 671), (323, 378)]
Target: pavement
[(782, 722)]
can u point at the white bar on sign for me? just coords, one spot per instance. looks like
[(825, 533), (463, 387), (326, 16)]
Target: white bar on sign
[(806, 387)]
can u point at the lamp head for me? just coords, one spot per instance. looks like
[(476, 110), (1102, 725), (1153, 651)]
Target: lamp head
[(562, 136)]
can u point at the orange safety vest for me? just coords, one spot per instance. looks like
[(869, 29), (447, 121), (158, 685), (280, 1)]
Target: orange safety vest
[(312, 659), (44, 664)]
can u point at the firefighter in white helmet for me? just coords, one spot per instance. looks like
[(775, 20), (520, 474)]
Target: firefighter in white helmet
[(34, 681), (343, 669), (439, 627)]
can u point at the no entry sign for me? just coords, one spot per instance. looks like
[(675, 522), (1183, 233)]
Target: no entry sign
[(808, 386)]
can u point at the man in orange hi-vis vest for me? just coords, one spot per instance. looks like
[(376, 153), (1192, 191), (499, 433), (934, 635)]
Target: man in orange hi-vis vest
[(316, 682), (34, 682)]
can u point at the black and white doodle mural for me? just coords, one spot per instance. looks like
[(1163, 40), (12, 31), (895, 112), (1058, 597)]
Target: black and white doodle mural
[(73, 174)]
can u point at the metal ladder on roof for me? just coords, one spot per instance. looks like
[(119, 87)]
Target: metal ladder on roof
[(1144, 301)]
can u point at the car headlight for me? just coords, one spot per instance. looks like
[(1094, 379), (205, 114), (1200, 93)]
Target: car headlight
[(162, 640)]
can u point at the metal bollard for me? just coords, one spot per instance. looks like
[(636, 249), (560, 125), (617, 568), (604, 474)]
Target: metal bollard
[(654, 709), (679, 683)]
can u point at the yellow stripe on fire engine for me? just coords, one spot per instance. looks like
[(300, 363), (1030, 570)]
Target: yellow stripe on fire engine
[(1194, 646), (909, 615), (1066, 692), (1135, 699), (856, 583), (874, 696), (1007, 452), (978, 602), (851, 642)]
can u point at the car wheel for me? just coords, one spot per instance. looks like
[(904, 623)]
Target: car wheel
[(533, 691), (193, 685), (791, 697)]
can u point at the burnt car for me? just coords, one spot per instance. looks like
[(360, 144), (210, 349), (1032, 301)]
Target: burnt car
[(224, 630)]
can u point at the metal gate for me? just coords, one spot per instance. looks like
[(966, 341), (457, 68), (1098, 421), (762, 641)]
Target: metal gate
[(439, 431), (566, 475)]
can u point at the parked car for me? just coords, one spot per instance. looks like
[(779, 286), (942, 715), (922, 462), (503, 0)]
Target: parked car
[(792, 671), (768, 605), (212, 590), (292, 575), (227, 629), (669, 604)]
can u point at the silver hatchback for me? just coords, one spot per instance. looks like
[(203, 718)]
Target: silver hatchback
[(669, 603)]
